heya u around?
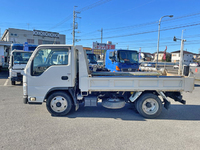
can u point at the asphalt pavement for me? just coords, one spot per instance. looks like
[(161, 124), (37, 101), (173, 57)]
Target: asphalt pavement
[(31, 127)]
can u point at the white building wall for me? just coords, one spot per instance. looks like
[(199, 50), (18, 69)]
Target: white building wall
[(187, 58), (175, 57), (21, 36)]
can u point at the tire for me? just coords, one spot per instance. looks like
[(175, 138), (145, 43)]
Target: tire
[(13, 82), (59, 104), (149, 105)]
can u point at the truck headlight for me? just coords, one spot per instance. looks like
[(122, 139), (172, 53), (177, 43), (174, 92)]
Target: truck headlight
[(25, 88)]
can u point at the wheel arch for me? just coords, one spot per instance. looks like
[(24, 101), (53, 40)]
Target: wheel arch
[(149, 91), (67, 90)]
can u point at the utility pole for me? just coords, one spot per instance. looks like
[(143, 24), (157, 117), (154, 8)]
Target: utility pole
[(101, 38), (75, 26), (101, 35), (180, 70), (28, 25), (73, 33)]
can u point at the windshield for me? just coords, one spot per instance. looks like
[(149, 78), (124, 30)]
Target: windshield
[(21, 57), (32, 48), (17, 47), (128, 56), (92, 58), (21, 47)]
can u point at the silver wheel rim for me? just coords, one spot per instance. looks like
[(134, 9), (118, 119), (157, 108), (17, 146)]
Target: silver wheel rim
[(58, 104), (150, 106)]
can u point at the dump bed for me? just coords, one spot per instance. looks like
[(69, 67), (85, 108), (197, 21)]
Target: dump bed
[(132, 81)]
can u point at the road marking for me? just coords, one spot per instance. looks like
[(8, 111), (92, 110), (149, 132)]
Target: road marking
[(5, 84)]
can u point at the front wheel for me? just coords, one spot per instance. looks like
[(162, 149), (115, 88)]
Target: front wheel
[(13, 82), (149, 105), (59, 104)]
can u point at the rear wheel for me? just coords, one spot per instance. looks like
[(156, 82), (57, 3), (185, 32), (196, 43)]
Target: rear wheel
[(13, 82), (149, 105), (59, 104)]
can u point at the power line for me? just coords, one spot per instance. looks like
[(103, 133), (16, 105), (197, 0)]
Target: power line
[(154, 22), (93, 5), (81, 10), (145, 24), (146, 32)]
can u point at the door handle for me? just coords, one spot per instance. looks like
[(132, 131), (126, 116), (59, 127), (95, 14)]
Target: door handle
[(64, 77)]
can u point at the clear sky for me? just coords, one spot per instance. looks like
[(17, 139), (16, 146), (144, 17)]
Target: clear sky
[(127, 23)]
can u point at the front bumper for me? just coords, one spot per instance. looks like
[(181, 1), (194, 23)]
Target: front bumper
[(19, 77)]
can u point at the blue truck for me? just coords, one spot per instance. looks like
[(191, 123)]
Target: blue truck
[(118, 60)]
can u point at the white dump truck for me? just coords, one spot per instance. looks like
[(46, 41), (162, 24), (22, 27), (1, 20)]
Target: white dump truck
[(59, 75)]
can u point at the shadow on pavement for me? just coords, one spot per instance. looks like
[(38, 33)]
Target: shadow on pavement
[(126, 113), (175, 112)]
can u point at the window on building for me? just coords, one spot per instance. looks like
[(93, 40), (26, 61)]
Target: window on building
[(30, 41), (174, 55), (47, 42)]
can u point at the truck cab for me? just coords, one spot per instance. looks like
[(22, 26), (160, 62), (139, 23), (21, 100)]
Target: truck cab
[(117, 60)]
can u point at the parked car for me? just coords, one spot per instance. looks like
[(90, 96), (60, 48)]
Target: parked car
[(100, 62), (176, 66), (150, 64), (194, 64)]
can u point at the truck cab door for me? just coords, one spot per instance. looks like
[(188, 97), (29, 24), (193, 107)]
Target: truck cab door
[(50, 68)]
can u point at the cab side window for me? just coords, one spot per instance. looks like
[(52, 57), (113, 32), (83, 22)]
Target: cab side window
[(46, 58)]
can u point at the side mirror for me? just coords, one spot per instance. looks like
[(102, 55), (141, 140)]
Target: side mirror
[(113, 60)]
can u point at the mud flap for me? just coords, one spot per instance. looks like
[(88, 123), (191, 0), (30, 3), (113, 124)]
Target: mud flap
[(166, 101), (167, 104), (176, 96)]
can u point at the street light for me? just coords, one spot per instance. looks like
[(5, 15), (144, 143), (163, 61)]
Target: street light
[(159, 36)]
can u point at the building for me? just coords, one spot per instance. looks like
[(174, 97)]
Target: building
[(146, 56), (160, 56), (35, 37), (100, 48), (187, 57), (3, 46), (88, 49)]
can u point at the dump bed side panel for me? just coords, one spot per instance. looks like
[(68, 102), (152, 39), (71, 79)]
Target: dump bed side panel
[(135, 84)]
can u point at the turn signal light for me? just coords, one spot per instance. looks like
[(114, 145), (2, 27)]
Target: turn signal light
[(117, 68)]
